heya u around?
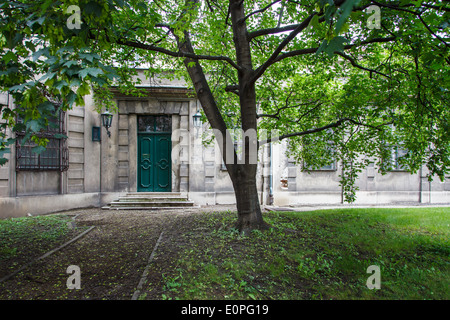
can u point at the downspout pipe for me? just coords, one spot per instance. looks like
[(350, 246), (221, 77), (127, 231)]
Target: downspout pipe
[(270, 202)]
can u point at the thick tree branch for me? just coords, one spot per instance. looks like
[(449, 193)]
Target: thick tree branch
[(429, 6), (286, 106), (233, 89), (278, 29), (302, 133), (328, 126), (263, 32), (177, 54), (259, 11), (417, 14), (298, 28), (353, 62), (431, 31), (206, 99), (281, 46), (299, 52)]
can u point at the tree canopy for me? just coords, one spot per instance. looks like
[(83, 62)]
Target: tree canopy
[(342, 79)]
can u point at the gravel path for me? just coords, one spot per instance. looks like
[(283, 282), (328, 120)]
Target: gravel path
[(112, 257)]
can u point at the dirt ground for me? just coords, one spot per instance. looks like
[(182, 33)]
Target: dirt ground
[(111, 257)]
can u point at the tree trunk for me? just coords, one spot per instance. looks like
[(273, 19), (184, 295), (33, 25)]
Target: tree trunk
[(247, 200), (243, 175)]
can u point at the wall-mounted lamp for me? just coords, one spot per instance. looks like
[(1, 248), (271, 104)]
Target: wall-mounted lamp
[(107, 121), (197, 119)]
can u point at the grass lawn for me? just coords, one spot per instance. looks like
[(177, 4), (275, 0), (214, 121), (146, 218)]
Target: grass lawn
[(304, 256), (315, 255), (26, 238), (45, 230)]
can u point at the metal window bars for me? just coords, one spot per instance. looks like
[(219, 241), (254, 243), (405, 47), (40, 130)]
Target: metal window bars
[(55, 157)]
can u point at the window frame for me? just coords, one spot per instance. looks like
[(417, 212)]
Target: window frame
[(56, 155), (395, 166), (156, 126)]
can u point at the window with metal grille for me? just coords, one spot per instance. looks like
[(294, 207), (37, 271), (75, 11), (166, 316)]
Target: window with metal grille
[(55, 157), (396, 154), (155, 124)]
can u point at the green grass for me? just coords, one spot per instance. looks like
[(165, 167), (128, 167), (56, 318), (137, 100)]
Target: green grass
[(316, 255), (26, 232)]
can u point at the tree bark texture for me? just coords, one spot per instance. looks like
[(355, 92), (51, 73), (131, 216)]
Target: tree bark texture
[(243, 175)]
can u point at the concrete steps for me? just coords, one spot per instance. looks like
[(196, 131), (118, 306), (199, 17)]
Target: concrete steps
[(151, 201)]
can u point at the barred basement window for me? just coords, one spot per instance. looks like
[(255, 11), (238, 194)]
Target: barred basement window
[(328, 167), (393, 163), (56, 155), (396, 154)]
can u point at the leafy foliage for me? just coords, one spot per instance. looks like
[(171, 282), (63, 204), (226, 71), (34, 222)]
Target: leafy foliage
[(322, 254), (339, 89)]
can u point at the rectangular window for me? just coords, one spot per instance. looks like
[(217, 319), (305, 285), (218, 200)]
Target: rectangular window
[(329, 167), (397, 153), (393, 163), (153, 124), (328, 154), (56, 155)]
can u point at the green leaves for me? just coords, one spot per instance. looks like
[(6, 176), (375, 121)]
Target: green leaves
[(9, 56), (93, 8), (335, 44), (38, 149), (402, 81), (90, 71), (314, 23), (345, 11), (43, 63)]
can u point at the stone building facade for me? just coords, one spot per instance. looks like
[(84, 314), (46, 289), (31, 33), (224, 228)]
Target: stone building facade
[(101, 168)]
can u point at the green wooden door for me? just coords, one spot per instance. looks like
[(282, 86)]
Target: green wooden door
[(154, 160)]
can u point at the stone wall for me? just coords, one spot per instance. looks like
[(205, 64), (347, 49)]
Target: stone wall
[(100, 171)]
